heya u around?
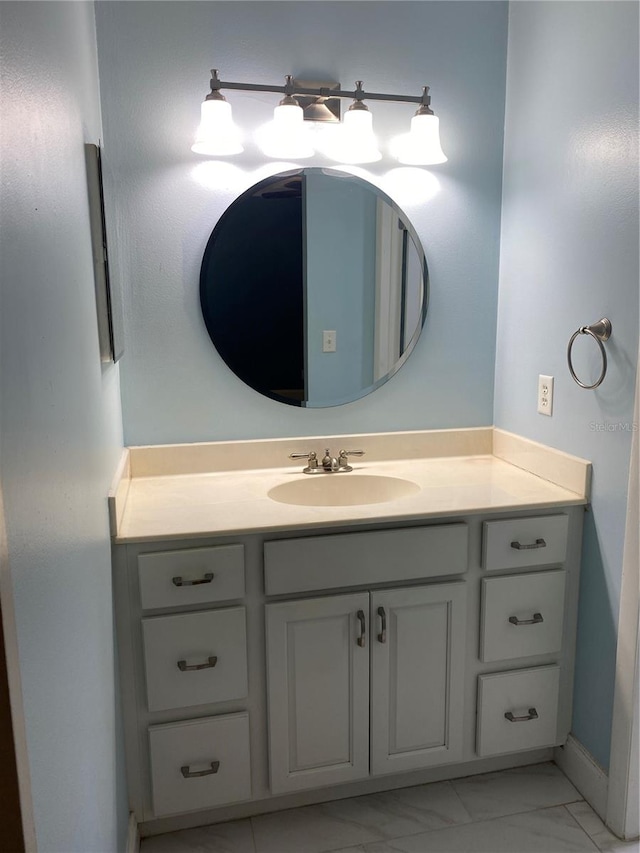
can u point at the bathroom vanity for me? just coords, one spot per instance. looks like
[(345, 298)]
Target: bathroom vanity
[(280, 653)]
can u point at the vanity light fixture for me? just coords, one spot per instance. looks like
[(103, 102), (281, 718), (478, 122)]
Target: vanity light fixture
[(217, 134), (355, 142), (421, 146), (288, 137)]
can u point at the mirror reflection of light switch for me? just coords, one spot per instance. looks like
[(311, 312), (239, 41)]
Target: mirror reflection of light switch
[(329, 341)]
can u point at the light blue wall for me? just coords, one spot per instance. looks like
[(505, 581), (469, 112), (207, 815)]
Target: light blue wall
[(164, 200), (340, 285), (570, 256), (60, 428)]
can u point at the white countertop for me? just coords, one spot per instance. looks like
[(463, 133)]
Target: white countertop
[(162, 506)]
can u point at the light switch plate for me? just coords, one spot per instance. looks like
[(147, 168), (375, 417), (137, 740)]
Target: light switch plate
[(328, 341)]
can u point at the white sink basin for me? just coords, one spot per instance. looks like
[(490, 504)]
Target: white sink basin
[(346, 489)]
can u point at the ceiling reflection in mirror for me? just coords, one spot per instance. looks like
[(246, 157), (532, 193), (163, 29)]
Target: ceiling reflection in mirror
[(314, 287)]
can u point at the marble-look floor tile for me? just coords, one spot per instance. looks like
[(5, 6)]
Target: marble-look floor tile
[(520, 789), (545, 831), (234, 837), (603, 838), (405, 811), (306, 830), (358, 849)]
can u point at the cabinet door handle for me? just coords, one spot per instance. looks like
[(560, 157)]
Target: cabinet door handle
[(177, 581), (539, 543), (532, 715), (192, 774), (382, 636), (183, 666), (537, 618), (362, 639)]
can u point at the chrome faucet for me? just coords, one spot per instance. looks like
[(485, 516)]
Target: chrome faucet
[(329, 464)]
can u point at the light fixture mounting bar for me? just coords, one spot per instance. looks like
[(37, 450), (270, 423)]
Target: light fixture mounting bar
[(318, 101), (324, 92)]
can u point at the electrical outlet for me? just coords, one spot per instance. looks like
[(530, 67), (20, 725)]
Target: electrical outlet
[(329, 341), (545, 395)]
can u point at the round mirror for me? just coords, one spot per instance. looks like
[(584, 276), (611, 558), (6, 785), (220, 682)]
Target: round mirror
[(314, 287)]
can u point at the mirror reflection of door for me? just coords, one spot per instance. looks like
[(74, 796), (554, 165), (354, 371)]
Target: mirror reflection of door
[(313, 287), (340, 228), (398, 289), (253, 302)]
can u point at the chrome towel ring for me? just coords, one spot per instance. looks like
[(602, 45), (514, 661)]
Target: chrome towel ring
[(600, 332)]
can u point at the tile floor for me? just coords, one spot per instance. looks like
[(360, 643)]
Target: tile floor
[(525, 810)]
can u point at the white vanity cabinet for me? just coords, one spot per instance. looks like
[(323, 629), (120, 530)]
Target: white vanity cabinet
[(417, 676), (258, 669), (523, 615), (183, 659), (364, 683), (318, 677)]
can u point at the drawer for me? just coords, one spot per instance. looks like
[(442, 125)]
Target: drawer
[(350, 559), (200, 763), (530, 696), (191, 576), (516, 542), (195, 658), (522, 615)]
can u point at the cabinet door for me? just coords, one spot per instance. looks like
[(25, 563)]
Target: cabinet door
[(417, 676), (318, 686)]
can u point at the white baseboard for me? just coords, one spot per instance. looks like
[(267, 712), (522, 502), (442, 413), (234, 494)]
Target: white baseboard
[(585, 773), (133, 836)]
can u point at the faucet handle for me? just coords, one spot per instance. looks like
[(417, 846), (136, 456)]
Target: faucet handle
[(343, 459), (312, 458)]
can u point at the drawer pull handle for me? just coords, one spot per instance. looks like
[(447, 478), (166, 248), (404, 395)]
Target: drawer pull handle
[(177, 581), (532, 715), (539, 543), (362, 639), (382, 636), (192, 774), (183, 666), (537, 619)]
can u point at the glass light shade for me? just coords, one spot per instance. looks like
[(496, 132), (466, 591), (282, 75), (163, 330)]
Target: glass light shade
[(421, 146), (286, 137), (356, 142), (217, 135)]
